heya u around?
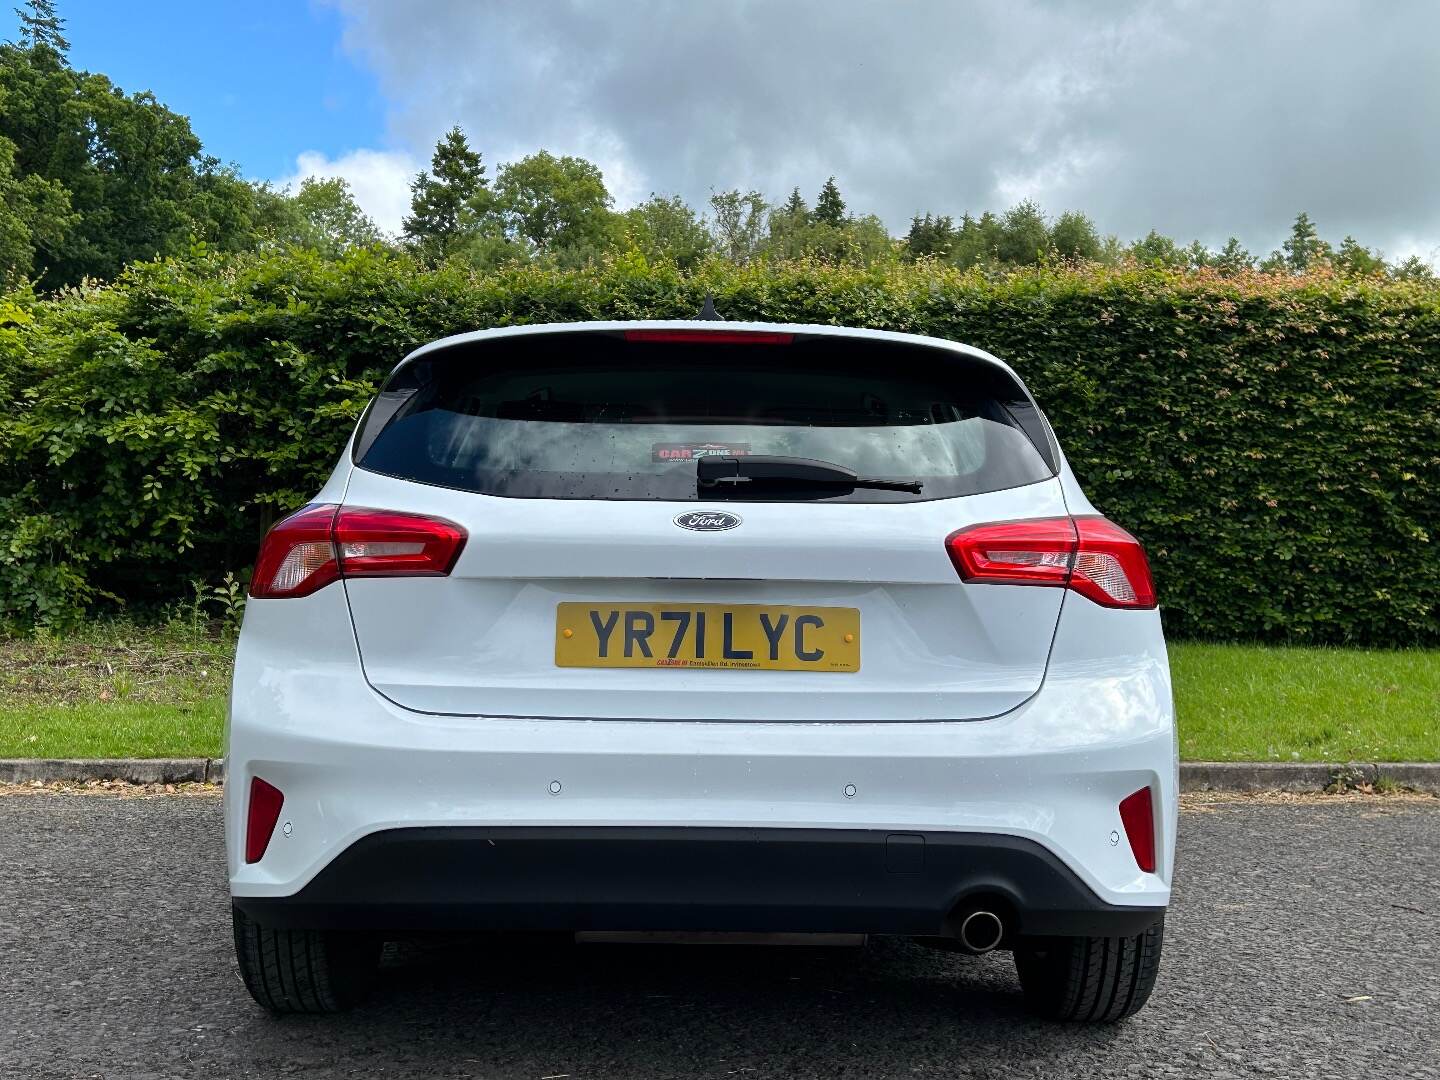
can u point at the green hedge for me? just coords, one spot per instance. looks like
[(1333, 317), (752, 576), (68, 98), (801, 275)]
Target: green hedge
[(1273, 441)]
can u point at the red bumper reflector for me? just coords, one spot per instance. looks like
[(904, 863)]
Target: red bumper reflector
[(265, 802), (1137, 811), (712, 337)]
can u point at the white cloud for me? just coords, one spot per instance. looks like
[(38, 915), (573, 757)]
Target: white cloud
[(379, 180), (1406, 245), (1200, 118)]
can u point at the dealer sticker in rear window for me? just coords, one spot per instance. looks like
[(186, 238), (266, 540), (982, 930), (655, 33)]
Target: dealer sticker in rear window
[(690, 451)]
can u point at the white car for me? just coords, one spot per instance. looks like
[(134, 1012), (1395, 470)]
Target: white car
[(702, 627)]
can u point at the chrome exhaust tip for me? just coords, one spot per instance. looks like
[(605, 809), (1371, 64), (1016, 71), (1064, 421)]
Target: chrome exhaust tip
[(981, 931)]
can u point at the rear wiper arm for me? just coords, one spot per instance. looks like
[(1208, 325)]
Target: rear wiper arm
[(734, 474)]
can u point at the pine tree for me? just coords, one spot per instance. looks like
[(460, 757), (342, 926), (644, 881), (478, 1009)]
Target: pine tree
[(1304, 246), (931, 235), (795, 206), (446, 202), (829, 207), (41, 27)]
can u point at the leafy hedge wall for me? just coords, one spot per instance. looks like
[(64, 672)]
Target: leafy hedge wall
[(1275, 442)]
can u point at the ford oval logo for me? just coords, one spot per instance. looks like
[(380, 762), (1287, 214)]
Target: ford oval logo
[(707, 520)]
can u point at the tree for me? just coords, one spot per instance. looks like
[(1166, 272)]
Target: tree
[(1356, 260), (557, 205), (931, 236), (33, 211), (1233, 258), (1197, 256), (1073, 237), (1274, 263), (977, 240), (328, 219), (1158, 250), (829, 207), (40, 27), (1414, 268), (132, 171), (451, 201), (1024, 236), (865, 241), (668, 230), (738, 223), (789, 229), (1304, 247)]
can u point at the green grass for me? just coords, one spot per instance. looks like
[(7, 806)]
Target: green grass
[(1260, 703), (134, 729), (117, 690)]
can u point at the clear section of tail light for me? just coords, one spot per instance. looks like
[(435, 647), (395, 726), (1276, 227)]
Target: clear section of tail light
[(1110, 566), (300, 563), (1090, 555), (297, 556)]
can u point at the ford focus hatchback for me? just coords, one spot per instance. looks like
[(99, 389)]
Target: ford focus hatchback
[(702, 627)]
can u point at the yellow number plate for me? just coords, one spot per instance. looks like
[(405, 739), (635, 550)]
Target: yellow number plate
[(754, 636)]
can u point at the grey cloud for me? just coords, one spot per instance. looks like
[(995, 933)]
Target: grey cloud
[(1200, 119)]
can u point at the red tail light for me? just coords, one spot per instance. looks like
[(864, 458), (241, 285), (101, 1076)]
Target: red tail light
[(1137, 811), (382, 543), (323, 543), (712, 337), (265, 803), (1090, 555)]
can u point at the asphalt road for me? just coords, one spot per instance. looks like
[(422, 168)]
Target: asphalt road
[(1304, 942)]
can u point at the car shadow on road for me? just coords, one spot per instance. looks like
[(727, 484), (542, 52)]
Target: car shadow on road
[(638, 1010)]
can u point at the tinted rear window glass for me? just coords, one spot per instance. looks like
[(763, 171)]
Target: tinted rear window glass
[(593, 416)]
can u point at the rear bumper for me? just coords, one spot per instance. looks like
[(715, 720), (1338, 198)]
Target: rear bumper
[(694, 879), (1049, 774)]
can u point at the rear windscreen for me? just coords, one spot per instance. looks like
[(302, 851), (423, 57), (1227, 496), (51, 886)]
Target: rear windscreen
[(595, 416)]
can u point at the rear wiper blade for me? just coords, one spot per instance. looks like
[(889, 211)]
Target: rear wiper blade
[(723, 474)]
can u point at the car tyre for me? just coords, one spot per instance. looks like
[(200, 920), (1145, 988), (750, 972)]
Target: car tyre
[(303, 971), (1094, 980)]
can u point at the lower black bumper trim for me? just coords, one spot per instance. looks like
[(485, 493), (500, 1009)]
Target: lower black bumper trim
[(693, 879)]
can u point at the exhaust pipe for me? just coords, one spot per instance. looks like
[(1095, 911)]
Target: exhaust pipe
[(980, 931)]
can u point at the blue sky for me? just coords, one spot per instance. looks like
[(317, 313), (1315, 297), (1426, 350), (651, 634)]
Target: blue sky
[(1200, 118), (261, 81)]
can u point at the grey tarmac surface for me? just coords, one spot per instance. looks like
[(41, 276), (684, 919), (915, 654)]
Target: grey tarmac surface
[(1304, 942)]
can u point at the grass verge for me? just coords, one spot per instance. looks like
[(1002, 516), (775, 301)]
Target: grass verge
[(1267, 703), (116, 690)]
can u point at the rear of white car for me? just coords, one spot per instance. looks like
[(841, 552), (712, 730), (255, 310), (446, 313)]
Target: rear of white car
[(702, 627)]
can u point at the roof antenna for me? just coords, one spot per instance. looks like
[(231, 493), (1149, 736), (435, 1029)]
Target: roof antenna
[(708, 312)]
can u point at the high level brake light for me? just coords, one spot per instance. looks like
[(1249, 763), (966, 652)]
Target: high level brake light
[(324, 542), (1089, 555), (712, 337)]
